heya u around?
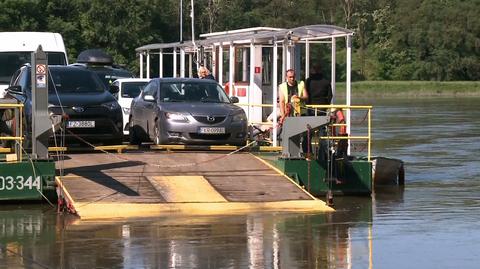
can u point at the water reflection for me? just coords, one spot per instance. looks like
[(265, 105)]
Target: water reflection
[(33, 238)]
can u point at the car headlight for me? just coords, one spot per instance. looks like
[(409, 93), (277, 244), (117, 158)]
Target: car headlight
[(111, 105), (176, 117), (239, 117), (126, 110)]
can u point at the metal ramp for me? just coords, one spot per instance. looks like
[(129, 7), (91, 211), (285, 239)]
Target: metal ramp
[(148, 184)]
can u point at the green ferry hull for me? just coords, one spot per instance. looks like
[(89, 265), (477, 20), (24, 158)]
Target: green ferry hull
[(354, 178), (27, 180)]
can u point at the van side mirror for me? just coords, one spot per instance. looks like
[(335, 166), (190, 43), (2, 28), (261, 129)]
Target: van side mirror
[(234, 99)]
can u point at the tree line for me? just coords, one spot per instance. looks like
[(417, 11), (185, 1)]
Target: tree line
[(436, 40)]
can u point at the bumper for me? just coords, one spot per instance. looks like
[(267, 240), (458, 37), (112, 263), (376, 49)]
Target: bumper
[(175, 133)]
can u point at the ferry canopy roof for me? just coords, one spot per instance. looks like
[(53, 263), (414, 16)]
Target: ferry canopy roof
[(264, 35)]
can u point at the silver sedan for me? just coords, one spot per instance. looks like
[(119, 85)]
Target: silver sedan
[(186, 111)]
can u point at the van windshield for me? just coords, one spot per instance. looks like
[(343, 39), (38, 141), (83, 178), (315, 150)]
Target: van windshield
[(11, 61)]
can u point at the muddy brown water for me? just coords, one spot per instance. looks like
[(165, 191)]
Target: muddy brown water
[(432, 223)]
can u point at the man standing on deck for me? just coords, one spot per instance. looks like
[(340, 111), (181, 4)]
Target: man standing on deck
[(319, 89), (292, 94)]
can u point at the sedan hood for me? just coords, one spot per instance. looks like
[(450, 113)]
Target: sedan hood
[(201, 108), (84, 99)]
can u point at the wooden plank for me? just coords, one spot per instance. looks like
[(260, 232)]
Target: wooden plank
[(123, 177)]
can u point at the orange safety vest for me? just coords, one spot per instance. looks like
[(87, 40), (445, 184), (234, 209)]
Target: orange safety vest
[(284, 91)]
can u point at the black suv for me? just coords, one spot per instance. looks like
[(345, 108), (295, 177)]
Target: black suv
[(92, 113), (102, 64)]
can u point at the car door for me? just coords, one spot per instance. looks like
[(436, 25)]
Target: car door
[(141, 109)]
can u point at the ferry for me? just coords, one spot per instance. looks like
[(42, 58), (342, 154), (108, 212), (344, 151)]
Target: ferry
[(272, 172), (252, 62)]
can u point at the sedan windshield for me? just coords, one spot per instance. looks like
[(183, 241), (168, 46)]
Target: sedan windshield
[(192, 92)]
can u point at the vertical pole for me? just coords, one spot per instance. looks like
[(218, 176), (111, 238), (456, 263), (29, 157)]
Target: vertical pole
[(349, 86), (181, 21), (220, 64), (182, 62), (275, 92), (214, 61), (148, 64), (251, 89), (160, 64), (333, 69), (369, 133), (174, 62), (244, 65), (284, 59), (231, 68), (41, 123), (289, 57), (141, 64), (307, 59)]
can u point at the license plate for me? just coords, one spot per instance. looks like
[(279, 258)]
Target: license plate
[(212, 130), (81, 124)]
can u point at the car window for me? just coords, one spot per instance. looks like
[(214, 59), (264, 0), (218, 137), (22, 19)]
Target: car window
[(192, 92), (132, 89), (74, 81), (150, 89), (107, 75)]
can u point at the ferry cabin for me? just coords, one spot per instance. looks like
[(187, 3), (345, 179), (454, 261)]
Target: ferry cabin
[(252, 62)]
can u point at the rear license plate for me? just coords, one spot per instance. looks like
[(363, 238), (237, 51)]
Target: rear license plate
[(212, 130), (81, 124)]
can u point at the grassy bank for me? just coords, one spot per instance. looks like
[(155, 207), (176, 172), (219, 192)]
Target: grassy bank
[(411, 88)]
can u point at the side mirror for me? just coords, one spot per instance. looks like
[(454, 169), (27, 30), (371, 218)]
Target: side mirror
[(234, 99), (114, 89), (149, 98), (15, 90)]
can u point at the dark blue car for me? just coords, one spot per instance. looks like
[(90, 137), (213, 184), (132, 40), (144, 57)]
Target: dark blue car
[(92, 114)]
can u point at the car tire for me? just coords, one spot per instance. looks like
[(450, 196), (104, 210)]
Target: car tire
[(158, 138), (134, 139)]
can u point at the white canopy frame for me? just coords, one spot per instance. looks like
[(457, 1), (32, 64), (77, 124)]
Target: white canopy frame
[(250, 38)]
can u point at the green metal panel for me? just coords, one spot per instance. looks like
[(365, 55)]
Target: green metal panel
[(26, 180), (353, 177)]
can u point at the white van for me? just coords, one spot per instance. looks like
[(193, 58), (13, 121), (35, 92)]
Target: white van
[(128, 88), (16, 49)]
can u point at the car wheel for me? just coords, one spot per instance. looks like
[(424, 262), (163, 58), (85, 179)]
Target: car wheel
[(134, 138), (159, 140)]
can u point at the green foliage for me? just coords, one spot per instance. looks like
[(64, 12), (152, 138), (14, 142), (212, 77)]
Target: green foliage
[(395, 40)]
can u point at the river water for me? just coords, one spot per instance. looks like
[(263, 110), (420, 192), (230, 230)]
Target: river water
[(432, 223)]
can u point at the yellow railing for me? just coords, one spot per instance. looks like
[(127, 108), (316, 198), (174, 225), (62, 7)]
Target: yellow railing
[(368, 137), (19, 129)]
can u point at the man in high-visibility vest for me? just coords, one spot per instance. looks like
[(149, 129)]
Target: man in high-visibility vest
[(292, 93)]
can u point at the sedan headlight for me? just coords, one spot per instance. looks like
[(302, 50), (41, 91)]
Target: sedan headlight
[(176, 117), (111, 105), (239, 117)]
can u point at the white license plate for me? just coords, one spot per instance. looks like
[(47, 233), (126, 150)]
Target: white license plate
[(81, 124), (212, 130)]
